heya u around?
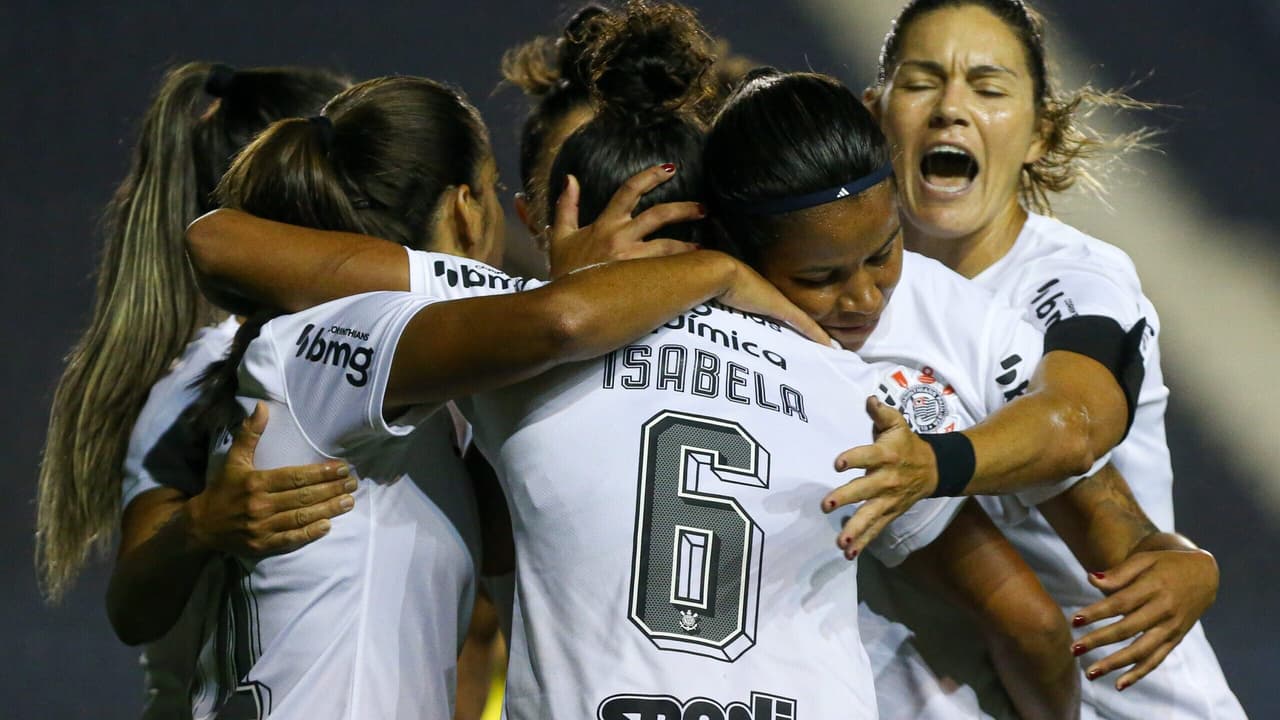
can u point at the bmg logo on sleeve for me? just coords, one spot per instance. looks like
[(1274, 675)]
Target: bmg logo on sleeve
[(356, 359)]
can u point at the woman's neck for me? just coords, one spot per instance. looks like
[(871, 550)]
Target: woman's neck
[(970, 254)]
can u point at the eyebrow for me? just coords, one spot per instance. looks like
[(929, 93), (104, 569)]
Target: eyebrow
[(936, 68), (826, 268), (896, 229)]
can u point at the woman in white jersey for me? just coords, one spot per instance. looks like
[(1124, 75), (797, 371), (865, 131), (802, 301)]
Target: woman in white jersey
[(114, 453), (364, 622), (982, 138), (680, 139)]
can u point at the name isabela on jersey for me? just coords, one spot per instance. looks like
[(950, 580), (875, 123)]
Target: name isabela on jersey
[(690, 370), (356, 359), (925, 400), (762, 706)]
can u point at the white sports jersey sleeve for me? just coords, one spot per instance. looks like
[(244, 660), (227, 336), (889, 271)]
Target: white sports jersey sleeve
[(1073, 288), (331, 365), (451, 277)]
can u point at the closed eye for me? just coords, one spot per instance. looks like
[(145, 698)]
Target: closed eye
[(817, 280)]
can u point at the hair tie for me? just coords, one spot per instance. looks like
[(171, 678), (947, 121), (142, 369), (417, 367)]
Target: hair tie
[(325, 127), (778, 206), (218, 82)]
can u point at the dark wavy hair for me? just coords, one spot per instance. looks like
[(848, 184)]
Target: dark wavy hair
[(648, 68), (376, 164)]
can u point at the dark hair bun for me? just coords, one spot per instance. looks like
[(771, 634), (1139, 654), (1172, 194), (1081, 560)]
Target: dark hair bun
[(649, 60), (573, 48), (546, 64)]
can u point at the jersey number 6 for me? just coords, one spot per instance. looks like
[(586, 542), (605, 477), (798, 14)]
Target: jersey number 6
[(695, 568)]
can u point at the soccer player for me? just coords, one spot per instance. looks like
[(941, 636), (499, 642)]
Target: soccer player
[(565, 691), (113, 443), (982, 139), (364, 622)]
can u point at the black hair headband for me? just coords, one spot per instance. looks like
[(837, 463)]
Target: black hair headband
[(777, 206)]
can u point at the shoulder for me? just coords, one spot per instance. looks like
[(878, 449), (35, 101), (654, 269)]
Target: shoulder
[(1055, 244), (172, 393)]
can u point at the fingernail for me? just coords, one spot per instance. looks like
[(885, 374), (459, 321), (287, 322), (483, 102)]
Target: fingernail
[(1093, 674), (851, 554), (1079, 620), (1098, 575), (841, 465), (668, 168), (702, 208), (350, 485), (828, 505), (566, 182), (1121, 686), (842, 542), (1077, 650), (347, 502), (343, 470)]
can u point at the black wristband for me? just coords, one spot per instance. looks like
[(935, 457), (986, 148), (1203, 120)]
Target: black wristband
[(954, 453)]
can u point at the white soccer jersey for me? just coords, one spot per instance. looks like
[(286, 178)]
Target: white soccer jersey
[(365, 622), (671, 557), (162, 453), (952, 355), (1053, 272)]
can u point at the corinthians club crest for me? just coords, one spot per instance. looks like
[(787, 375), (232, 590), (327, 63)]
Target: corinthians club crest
[(922, 398)]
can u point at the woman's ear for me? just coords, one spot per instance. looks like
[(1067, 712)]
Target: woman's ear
[(468, 221), (1039, 142), (871, 101), (525, 212)]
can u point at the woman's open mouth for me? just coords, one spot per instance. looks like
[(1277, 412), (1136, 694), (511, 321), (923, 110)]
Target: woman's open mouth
[(948, 169)]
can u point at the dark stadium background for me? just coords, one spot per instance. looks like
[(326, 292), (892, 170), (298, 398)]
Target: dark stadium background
[(77, 76)]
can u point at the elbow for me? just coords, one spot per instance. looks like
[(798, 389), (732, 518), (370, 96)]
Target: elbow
[(201, 237), (1041, 631), (570, 327), (1071, 430), (127, 626)]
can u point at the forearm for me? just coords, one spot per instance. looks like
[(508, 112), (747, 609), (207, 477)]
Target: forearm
[(975, 567), (606, 307), (153, 579), (454, 349), (1073, 413), (1102, 523), (242, 260)]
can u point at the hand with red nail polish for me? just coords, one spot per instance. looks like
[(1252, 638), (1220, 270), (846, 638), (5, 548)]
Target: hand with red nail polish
[(900, 470), (615, 234), (1158, 595)]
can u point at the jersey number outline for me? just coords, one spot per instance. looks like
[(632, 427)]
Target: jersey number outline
[(697, 554)]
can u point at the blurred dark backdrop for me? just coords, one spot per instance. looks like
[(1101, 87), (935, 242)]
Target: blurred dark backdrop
[(78, 75)]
